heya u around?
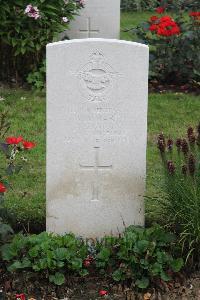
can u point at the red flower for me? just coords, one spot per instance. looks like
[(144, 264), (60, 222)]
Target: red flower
[(164, 26), (86, 262), (103, 293), (28, 145), (154, 18), (160, 10), (2, 188), (194, 14), (20, 297), (153, 27), (12, 140)]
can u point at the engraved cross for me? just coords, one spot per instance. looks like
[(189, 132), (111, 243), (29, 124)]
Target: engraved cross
[(96, 167), (89, 29)]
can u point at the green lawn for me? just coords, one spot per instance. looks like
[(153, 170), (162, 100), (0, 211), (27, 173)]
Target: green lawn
[(169, 113), (130, 20)]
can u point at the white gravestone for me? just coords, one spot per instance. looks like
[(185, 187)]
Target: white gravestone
[(98, 19), (96, 135)]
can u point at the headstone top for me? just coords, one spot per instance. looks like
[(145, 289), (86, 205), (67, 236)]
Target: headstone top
[(90, 40)]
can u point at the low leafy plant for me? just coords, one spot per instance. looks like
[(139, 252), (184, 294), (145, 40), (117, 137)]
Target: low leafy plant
[(181, 200), (37, 78), (139, 255), (174, 46), (49, 255)]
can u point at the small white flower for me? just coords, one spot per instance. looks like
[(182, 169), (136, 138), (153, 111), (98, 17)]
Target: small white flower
[(65, 19)]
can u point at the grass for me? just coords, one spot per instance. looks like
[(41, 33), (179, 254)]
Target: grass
[(170, 113), (26, 112), (130, 20)]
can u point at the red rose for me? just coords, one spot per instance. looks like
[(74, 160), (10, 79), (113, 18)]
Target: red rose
[(2, 188), (86, 262), (165, 26), (20, 297), (160, 10), (153, 27), (28, 145), (194, 14), (12, 140), (154, 18), (103, 293)]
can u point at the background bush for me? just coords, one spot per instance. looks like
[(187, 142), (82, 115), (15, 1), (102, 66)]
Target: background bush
[(174, 55), (138, 5), (24, 35)]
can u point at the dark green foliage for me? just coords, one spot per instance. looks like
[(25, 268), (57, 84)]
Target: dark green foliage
[(138, 5), (176, 58), (37, 78), (140, 255), (51, 255), (23, 39)]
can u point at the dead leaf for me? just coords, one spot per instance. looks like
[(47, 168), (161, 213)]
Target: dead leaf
[(147, 296)]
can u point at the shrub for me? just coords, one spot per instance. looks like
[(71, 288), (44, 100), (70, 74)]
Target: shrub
[(174, 46), (49, 255), (181, 204), (139, 255), (25, 29)]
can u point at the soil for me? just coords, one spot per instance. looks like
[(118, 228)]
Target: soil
[(88, 289)]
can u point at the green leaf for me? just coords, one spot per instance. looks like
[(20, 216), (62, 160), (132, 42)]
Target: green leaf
[(104, 254), (142, 283), (164, 276), (15, 266), (33, 252), (118, 275), (76, 263), (57, 279), (177, 264)]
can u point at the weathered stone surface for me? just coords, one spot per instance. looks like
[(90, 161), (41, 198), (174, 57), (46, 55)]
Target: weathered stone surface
[(96, 135), (98, 19)]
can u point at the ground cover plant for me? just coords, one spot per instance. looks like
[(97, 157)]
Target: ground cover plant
[(139, 256), (25, 29)]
